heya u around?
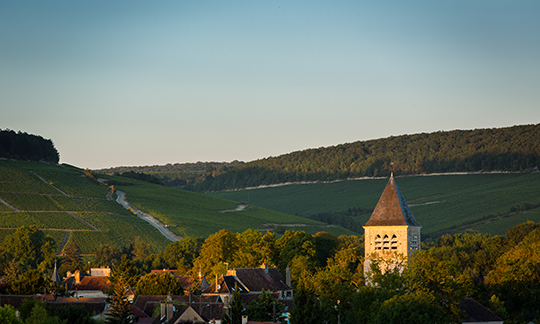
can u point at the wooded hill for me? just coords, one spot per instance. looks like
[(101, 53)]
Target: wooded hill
[(514, 148), (23, 146), (176, 175)]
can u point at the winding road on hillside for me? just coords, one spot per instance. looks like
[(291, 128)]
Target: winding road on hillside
[(121, 199)]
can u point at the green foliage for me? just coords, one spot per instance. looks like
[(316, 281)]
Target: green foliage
[(39, 315), (181, 254), (30, 247), (416, 308), (308, 308), (217, 248), (29, 282), (140, 176), (72, 258), (73, 314), (163, 283), (177, 174), (265, 309), (120, 307), (8, 315), (23, 146), (295, 244), (234, 316), (511, 149)]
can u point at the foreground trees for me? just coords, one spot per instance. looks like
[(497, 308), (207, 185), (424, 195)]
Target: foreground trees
[(502, 273)]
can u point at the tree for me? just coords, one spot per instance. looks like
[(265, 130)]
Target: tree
[(292, 244), (159, 284), (181, 254), (8, 315), (73, 314), (107, 255), (307, 307), (127, 271), (31, 248), (416, 308), (218, 247), (265, 309), (234, 314), (72, 258), (120, 306), (29, 282), (39, 315)]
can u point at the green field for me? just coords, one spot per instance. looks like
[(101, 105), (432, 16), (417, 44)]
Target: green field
[(192, 214), (64, 203), (442, 203)]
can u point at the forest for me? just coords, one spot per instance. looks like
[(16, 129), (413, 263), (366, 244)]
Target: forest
[(514, 148), (500, 272), (175, 175), (23, 146)]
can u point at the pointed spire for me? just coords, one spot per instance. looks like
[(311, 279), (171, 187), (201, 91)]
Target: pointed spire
[(55, 276), (392, 209)]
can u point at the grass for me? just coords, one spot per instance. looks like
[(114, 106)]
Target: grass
[(192, 214), (45, 204), (442, 204)]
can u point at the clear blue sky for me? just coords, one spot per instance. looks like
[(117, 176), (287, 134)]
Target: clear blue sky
[(153, 82)]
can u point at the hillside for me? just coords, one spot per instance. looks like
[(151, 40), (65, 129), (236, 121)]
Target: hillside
[(486, 203), (178, 174), (61, 200), (499, 149)]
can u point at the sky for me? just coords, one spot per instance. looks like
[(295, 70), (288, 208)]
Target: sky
[(130, 83)]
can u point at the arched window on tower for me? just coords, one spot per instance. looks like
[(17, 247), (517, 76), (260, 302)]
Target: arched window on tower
[(386, 242), (394, 242), (378, 242)]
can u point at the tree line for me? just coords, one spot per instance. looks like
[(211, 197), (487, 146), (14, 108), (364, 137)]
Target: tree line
[(501, 272), (514, 148), (23, 146)]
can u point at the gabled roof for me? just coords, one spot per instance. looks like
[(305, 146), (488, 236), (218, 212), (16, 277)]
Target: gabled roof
[(260, 278), (93, 283), (476, 313), (392, 209), (250, 280)]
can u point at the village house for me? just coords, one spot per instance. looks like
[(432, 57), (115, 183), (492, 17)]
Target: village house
[(252, 282)]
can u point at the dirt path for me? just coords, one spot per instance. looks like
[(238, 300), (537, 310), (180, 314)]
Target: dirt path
[(238, 207), (121, 199), (50, 184), (6, 203), (61, 246), (84, 221)]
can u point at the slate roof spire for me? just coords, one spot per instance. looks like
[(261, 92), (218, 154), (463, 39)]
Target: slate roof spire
[(55, 276), (392, 209)]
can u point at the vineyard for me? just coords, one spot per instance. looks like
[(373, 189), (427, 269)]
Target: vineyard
[(192, 214), (70, 207), (60, 200)]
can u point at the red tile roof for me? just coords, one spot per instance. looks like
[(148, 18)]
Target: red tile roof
[(93, 283)]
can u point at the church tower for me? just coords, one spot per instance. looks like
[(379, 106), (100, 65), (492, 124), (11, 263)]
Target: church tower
[(391, 231)]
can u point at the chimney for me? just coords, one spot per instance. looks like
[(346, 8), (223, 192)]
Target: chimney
[(77, 277), (288, 276), (170, 311), (217, 284), (163, 309), (244, 319)]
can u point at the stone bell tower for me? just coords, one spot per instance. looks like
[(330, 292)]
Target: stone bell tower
[(391, 232)]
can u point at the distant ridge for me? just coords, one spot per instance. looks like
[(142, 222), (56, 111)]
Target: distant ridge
[(514, 149)]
